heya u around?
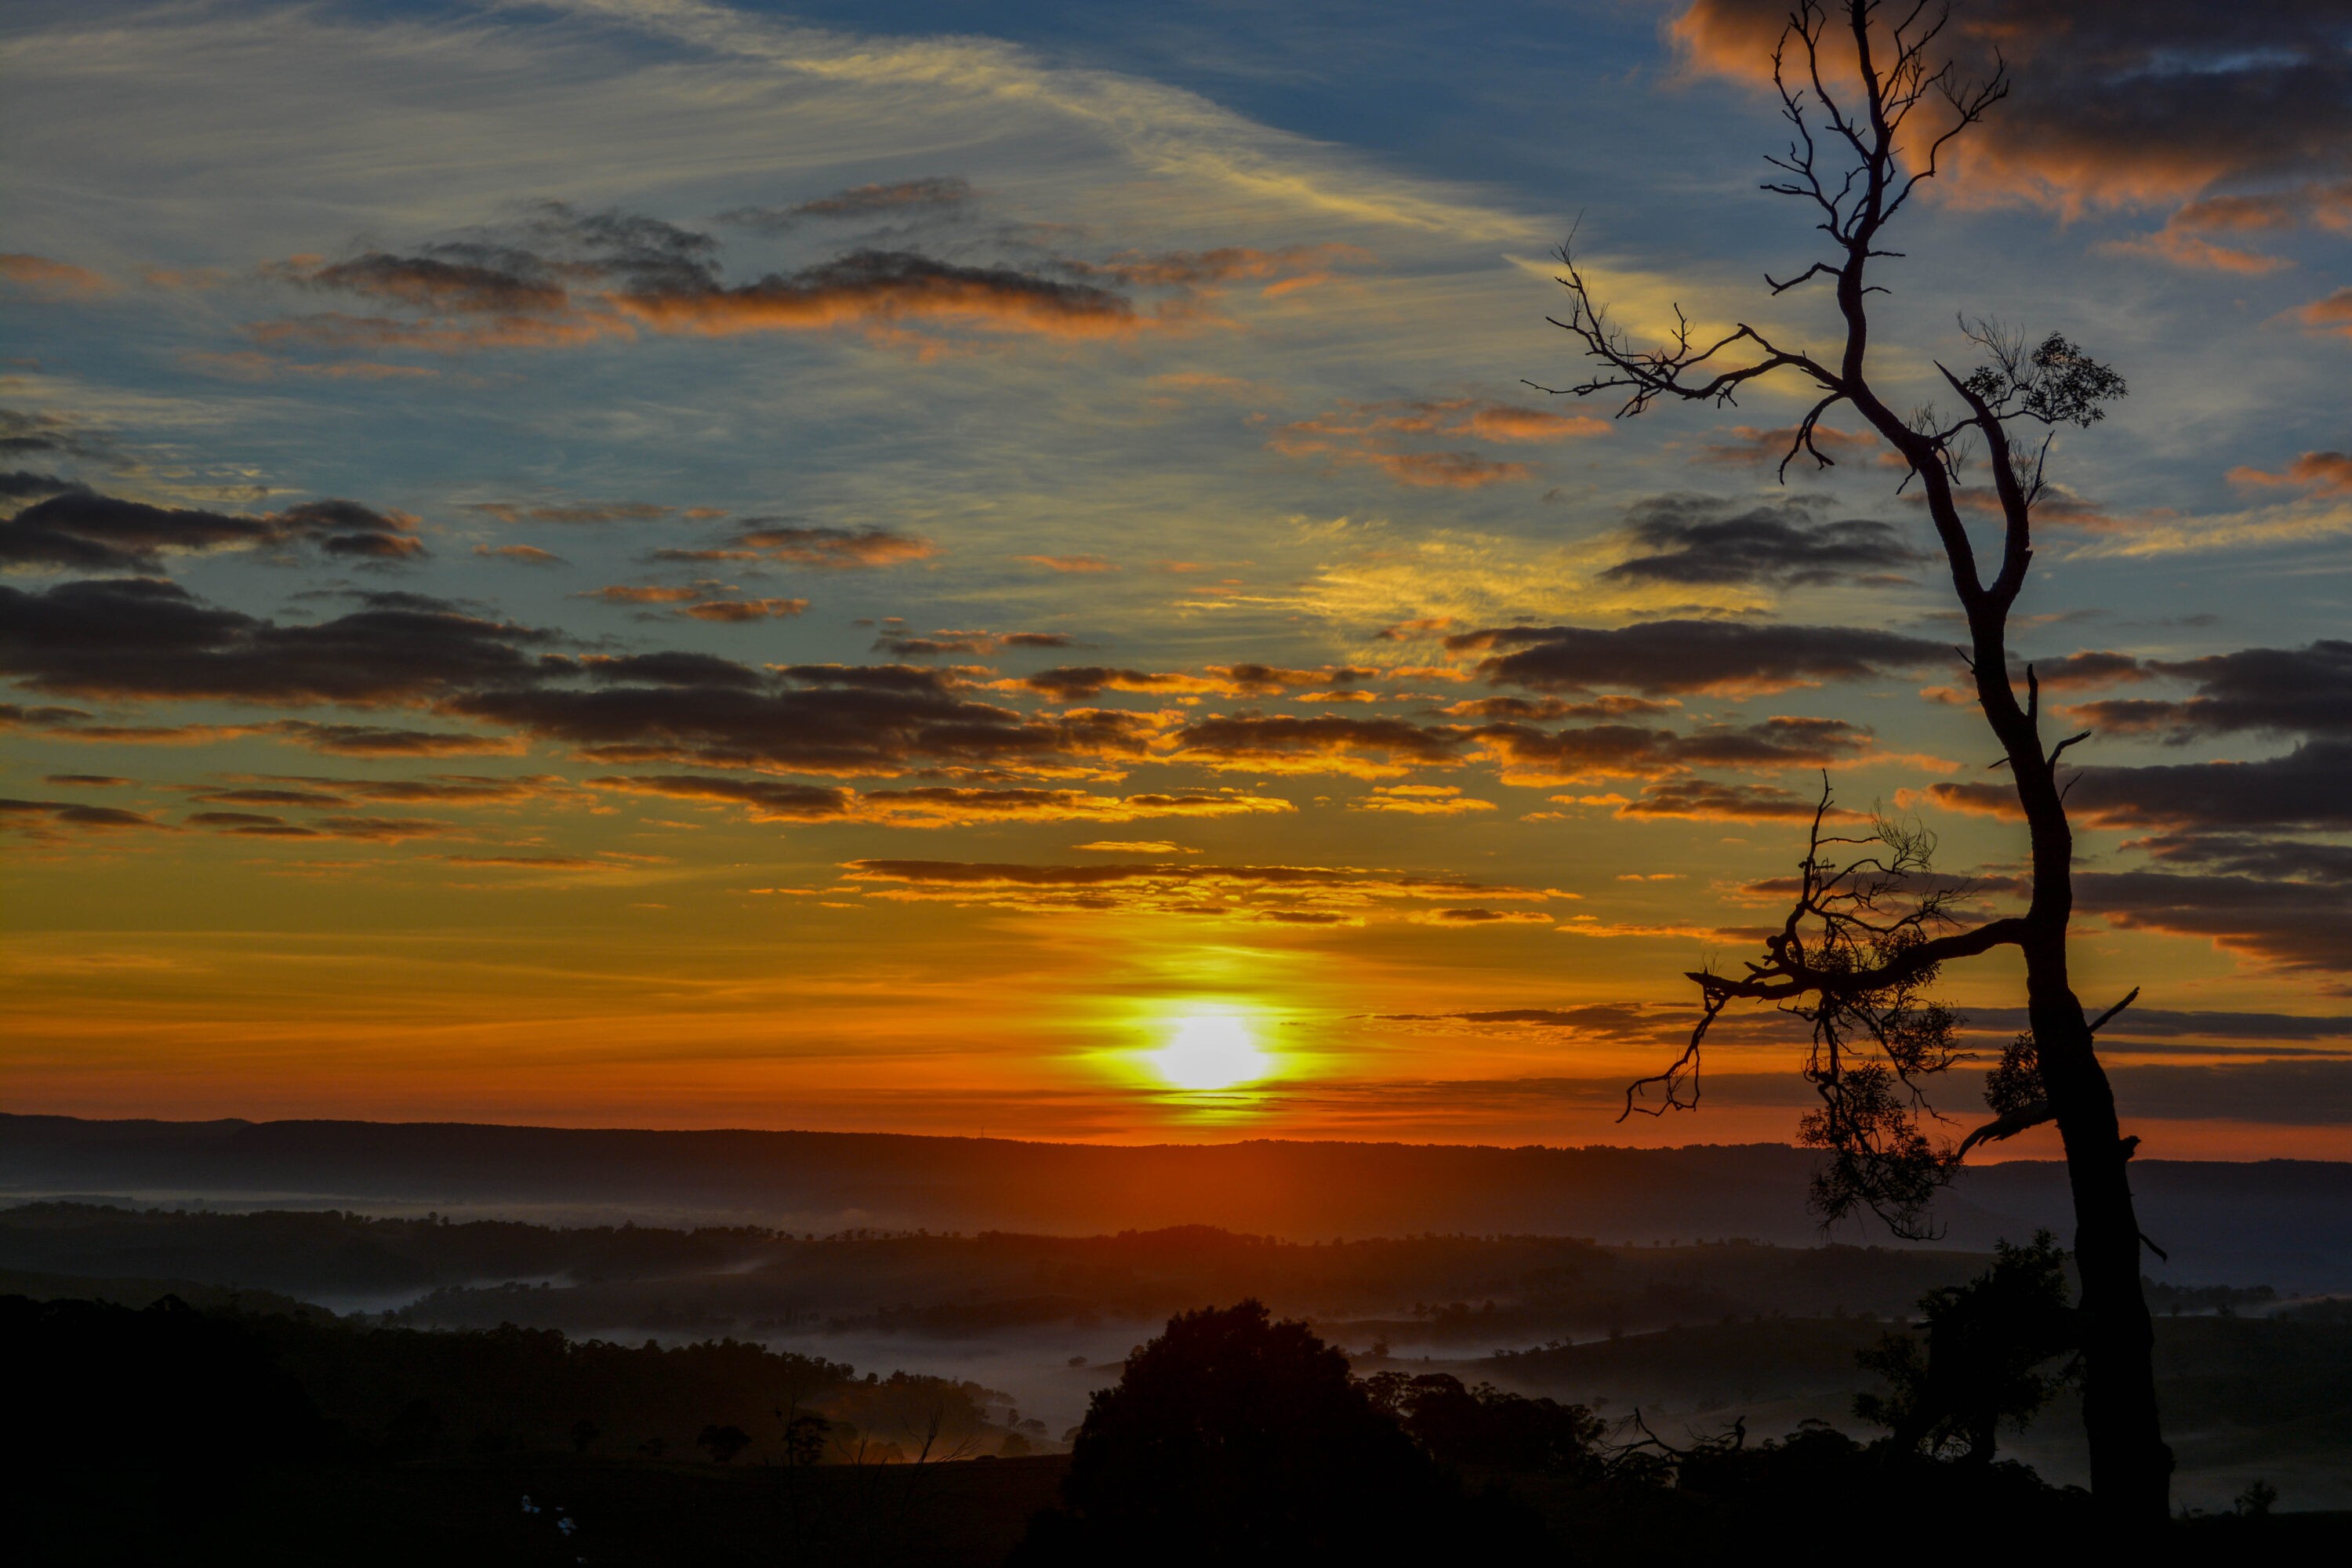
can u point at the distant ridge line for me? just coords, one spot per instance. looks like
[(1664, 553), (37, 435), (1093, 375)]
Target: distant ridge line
[(2282, 1222)]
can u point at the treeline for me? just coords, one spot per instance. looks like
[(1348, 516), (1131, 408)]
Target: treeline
[(331, 1251), (1472, 1291), (96, 1382)]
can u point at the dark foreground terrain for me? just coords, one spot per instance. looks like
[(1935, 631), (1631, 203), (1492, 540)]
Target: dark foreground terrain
[(1026, 1328), (174, 1435)]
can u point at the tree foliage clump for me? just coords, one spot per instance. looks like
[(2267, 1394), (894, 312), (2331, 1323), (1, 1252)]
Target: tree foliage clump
[(1990, 1357), (1237, 1437), (1487, 1426)]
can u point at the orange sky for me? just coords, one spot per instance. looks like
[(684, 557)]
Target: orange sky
[(714, 586)]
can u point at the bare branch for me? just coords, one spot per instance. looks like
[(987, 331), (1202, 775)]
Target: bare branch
[(2102, 1020)]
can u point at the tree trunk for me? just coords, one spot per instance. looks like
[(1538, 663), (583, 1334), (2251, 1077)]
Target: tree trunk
[(2131, 1467)]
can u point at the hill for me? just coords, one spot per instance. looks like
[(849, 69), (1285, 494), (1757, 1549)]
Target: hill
[(2284, 1223)]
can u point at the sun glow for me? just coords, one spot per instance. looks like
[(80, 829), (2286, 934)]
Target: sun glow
[(1211, 1050)]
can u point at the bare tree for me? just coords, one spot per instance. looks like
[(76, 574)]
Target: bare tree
[(1875, 101)]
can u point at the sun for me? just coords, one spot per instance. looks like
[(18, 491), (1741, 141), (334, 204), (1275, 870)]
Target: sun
[(1211, 1050)]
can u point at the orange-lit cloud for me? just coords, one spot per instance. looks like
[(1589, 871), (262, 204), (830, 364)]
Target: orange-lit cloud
[(819, 545), (1420, 800), (771, 800), (2323, 473), (584, 278), (2195, 251), (1375, 433), (701, 601), (2331, 313), (1367, 747), (1078, 564), (45, 279), (2116, 103), (527, 554), (1290, 895)]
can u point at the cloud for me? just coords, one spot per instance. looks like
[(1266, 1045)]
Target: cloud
[(1287, 267), (1538, 758), (525, 554), (1658, 658), (2327, 206), (1252, 680), (2197, 253), (2241, 854), (1364, 747), (568, 279), (2287, 691), (2330, 312), (1083, 682), (1455, 470), (735, 611), (133, 638), (1697, 541), (1751, 445), (940, 644), (22, 484), (40, 817), (1474, 916), (309, 791), (22, 432), (811, 545), (1375, 434), (1707, 800), (2322, 473), (2287, 925), (574, 512), (337, 740), (2090, 668), (832, 720), (939, 805), (2302, 790), (769, 799), (2118, 103), (43, 278), (699, 601), (376, 741), (82, 531), (936, 196), (264, 824), (1420, 800), (1546, 709), (871, 287), (1287, 895), (1080, 565)]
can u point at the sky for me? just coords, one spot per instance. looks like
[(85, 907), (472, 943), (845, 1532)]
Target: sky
[(1008, 569)]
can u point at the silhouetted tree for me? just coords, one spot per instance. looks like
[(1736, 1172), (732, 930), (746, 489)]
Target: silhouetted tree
[(1233, 1437), (805, 1435), (1873, 103), (723, 1443), (1987, 1359), (1485, 1427)]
